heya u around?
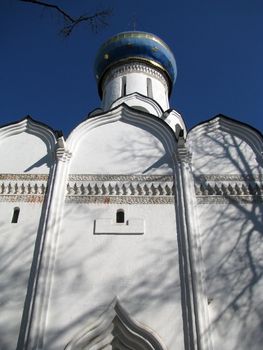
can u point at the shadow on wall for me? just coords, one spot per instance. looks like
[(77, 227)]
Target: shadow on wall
[(155, 154), (152, 285), (15, 263), (128, 147), (241, 155), (232, 238), (46, 160)]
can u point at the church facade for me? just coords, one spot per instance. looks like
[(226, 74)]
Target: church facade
[(133, 233)]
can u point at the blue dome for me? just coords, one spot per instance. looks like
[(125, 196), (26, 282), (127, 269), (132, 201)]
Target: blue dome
[(139, 46)]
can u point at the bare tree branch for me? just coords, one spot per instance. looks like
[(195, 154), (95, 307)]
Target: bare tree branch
[(95, 20)]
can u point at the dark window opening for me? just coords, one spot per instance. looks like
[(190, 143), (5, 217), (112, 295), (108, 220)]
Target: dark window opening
[(149, 88), (124, 86), (120, 216), (15, 215), (104, 94)]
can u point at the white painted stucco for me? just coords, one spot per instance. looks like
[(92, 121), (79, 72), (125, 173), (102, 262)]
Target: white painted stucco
[(231, 238), (17, 242), (91, 270), (120, 148), (224, 147), (26, 158), (134, 77), (27, 153), (227, 159), (184, 269)]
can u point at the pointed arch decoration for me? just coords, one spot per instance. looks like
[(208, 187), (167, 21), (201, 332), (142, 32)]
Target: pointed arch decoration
[(157, 126), (244, 131), (150, 105), (116, 330), (28, 124)]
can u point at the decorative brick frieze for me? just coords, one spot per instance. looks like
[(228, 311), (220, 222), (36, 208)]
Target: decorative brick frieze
[(22, 198), (23, 187), (148, 189), (231, 187), (229, 177), (120, 199), (117, 177), (83, 188), (24, 177), (229, 199)]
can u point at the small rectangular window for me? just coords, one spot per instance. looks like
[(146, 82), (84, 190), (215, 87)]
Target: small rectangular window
[(15, 215), (132, 226), (124, 87), (149, 88), (120, 216)]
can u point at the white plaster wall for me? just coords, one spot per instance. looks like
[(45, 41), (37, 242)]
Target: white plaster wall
[(232, 245), (135, 82), (111, 93), (160, 94), (120, 148), (221, 152), (21, 152), (24, 153), (142, 270), (16, 251)]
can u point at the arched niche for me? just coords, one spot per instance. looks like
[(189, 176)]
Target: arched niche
[(122, 141), (115, 330), (225, 146), (26, 147)]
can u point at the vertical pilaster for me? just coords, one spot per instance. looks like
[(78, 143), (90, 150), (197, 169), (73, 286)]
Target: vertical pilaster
[(194, 303), (34, 338)]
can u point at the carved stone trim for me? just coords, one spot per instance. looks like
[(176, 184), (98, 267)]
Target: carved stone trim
[(22, 198), (228, 199), (24, 177), (117, 177), (116, 188), (22, 188), (229, 177), (211, 188), (134, 67), (229, 189), (120, 200), (121, 188)]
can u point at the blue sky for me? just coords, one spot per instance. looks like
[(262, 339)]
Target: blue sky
[(218, 46)]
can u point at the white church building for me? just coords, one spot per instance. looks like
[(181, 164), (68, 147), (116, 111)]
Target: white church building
[(133, 233)]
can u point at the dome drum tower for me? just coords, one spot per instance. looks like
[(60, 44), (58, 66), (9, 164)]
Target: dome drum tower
[(135, 62)]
